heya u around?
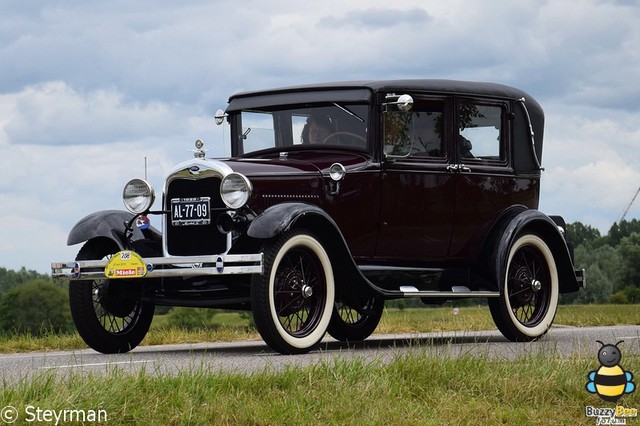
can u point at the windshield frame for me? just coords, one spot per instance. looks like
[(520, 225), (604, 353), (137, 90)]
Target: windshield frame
[(283, 127)]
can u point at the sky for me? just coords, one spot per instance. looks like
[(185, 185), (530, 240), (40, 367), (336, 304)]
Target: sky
[(90, 89)]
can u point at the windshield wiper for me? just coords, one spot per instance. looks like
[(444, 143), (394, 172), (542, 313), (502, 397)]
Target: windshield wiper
[(351, 113)]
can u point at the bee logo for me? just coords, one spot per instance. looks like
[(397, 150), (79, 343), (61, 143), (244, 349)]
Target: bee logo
[(610, 381)]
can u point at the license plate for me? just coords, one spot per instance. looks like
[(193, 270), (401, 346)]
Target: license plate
[(190, 211)]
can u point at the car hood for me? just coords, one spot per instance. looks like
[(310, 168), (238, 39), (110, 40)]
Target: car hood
[(295, 163)]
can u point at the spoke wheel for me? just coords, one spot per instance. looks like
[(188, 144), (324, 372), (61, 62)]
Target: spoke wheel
[(353, 322), (108, 314), (527, 306), (292, 300)]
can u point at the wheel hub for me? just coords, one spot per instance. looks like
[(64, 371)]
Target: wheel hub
[(524, 287), (292, 287), (307, 291), (536, 285)]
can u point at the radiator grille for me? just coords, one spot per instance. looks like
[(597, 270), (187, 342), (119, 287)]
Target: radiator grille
[(195, 240)]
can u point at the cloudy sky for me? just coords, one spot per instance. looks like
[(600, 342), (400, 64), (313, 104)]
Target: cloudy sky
[(88, 89)]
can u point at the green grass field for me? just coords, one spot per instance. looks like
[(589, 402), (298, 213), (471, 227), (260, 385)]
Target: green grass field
[(234, 326), (418, 388), (413, 389)]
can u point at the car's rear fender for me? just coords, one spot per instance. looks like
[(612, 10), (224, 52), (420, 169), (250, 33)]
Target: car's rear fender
[(498, 244), (109, 224)]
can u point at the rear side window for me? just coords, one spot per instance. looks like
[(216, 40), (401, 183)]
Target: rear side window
[(481, 133)]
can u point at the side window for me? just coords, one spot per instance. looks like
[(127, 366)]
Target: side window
[(415, 133), (480, 132)]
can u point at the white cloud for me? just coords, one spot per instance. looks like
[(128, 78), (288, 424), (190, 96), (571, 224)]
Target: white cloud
[(45, 190), (56, 114), (592, 162), (90, 89)]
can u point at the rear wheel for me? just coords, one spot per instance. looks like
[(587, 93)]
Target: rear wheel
[(527, 305), (353, 322), (109, 315), (292, 301)]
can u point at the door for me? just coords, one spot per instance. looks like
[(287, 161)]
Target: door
[(418, 189), (486, 184)]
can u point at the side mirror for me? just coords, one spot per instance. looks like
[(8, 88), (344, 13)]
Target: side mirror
[(403, 102), (220, 116)]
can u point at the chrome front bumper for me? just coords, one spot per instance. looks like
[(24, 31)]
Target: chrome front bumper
[(160, 267)]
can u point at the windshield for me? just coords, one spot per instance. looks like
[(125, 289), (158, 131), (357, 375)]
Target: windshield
[(343, 125)]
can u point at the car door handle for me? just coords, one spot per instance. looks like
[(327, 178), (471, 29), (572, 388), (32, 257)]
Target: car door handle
[(458, 168)]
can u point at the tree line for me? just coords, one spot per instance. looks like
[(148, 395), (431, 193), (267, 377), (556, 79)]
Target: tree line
[(612, 262), (31, 302)]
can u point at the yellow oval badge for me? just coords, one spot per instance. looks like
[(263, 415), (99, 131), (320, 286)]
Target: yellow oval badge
[(125, 264)]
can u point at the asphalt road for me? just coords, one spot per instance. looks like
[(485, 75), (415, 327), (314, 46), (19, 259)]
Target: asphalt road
[(247, 357)]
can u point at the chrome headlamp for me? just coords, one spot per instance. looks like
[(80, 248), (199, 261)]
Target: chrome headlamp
[(337, 172), (235, 190), (138, 196)]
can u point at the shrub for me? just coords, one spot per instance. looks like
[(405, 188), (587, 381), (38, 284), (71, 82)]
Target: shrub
[(191, 318), (36, 307), (628, 295)]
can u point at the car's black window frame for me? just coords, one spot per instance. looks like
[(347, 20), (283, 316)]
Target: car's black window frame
[(282, 124), (504, 132), (421, 104)]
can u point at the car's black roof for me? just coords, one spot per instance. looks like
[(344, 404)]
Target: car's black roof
[(361, 91), (427, 85), (527, 124)]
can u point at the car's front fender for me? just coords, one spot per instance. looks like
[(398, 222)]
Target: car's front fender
[(279, 218), (109, 224)]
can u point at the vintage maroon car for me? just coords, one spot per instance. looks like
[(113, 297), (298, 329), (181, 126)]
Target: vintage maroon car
[(336, 198)]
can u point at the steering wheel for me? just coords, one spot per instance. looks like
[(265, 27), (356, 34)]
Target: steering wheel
[(353, 135)]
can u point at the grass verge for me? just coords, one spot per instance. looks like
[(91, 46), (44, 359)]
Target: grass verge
[(232, 326), (412, 389), (416, 388)]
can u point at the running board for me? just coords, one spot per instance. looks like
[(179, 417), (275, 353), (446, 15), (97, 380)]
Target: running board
[(456, 291)]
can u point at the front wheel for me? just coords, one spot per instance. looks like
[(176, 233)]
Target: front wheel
[(109, 315), (528, 302), (292, 301)]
